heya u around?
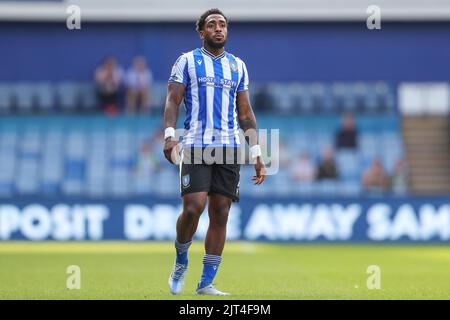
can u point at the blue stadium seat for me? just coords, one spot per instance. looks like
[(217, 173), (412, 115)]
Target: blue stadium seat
[(370, 99), (98, 157), (328, 103), (360, 91), (167, 182), (246, 175), (6, 96), (52, 161), (379, 98), (119, 181), (74, 169), (24, 94), (158, 96), (253, 89), (143, 183), (9, 139), (350, 188), (73, 181), (283, 102), (369, 145), (73, 187), (97, 163), (348, 163), (7, 171), (384, 96), (317, 92), (344, 97), (88, 97), (68, 94), (327, 187), (8, 161), (302, 98), (282, 97), (323, 140), (303, 189), (279, 182), (28, 171), (76, 145), (52, 174), (31, 143), (45, 96), (96, 178)]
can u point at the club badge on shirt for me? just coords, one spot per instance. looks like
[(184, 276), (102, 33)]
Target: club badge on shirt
[(233, 66)]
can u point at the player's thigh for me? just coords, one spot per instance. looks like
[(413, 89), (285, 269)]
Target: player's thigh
[(195, 202), (218, 208)]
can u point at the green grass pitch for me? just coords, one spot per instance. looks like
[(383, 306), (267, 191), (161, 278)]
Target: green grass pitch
[(127, 270)]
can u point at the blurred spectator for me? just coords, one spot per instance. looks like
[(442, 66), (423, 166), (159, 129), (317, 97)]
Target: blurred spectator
[(303, 169), (375, 178), (147, 161), (347, 136), (327, 166), (139, 79), (157, 141), (108, 78), (400, 177), (284, 155)]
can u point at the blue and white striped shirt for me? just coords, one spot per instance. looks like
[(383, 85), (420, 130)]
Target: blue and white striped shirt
[(212, 83)]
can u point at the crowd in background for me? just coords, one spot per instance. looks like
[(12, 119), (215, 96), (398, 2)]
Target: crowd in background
[(132, 90), (114, 85), (302, 166), (375, 178)]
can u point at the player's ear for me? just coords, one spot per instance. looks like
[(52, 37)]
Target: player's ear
[(202, 34)]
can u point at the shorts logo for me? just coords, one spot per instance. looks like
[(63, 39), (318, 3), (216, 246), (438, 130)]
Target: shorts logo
[(185, 181)]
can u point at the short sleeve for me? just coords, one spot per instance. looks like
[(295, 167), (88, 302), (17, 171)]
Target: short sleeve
[(243, 83), (180, 71)]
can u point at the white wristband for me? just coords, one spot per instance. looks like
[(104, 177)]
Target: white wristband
[(255, 151), (169, 133)]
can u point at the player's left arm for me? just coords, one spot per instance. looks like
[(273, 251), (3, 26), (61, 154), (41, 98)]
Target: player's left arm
[(247, 121)]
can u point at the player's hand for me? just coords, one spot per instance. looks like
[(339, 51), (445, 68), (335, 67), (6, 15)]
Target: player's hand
[(260, 170), (171, 151)]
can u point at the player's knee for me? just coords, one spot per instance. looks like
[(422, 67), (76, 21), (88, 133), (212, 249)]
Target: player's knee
[(219, 217), (193, 211)]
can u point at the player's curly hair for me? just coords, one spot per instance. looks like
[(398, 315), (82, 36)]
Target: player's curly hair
[(201, 21)]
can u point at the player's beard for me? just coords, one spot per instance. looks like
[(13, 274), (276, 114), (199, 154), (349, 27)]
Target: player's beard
[(215, 45)]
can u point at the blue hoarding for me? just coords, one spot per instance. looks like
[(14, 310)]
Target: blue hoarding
[(269, 219), (345, 51)]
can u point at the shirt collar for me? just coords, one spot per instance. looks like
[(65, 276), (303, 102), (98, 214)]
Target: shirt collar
[(202, 49)]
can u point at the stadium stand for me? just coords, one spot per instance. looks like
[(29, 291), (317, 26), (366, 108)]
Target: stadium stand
[(96, 156), (295, 97)]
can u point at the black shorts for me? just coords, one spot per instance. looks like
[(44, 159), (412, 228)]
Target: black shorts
[(199, 173)]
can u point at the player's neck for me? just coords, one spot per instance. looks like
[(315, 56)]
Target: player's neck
[(214, 51)]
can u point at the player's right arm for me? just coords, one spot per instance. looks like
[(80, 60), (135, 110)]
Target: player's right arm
[(175, 94), (179, 79)]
